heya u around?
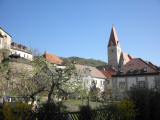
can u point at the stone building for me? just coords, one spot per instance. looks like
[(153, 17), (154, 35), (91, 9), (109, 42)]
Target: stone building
[(136, 73), (116, 57), (114, 49), (127, 72), (6, 42)]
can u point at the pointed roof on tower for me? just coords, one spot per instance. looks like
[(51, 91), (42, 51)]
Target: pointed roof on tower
[(113, 40)]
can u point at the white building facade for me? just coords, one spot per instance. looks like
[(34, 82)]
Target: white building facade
[(6, 42), (89, 75)]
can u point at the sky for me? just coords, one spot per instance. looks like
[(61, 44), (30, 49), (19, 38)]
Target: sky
[(82, 27)]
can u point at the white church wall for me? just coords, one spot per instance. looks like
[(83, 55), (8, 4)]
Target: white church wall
[(114, 53)]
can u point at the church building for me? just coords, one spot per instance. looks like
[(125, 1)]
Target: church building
[(126, 72), (116, 57)]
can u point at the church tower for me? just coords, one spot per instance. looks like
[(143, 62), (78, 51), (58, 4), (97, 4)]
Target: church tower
[(114, 49)]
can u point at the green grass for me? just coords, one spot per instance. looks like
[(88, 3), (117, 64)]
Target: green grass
[(73, 105)]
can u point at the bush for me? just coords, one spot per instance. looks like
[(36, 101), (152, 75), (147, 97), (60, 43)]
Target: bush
[(50, 111), (18, 111), (127, 110), (123, 110), (85, 113), (147, 104)]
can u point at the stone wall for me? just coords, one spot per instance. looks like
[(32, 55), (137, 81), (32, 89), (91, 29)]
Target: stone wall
[(123, 84)]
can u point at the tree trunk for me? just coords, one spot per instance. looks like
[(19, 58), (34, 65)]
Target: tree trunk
[(50, 93)]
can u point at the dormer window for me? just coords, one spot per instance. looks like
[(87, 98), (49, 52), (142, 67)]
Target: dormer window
[(145, 69)]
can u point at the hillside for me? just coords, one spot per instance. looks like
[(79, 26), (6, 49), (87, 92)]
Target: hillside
[(84, 61)]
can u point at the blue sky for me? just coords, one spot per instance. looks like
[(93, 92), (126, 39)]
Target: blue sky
[(82, 27)]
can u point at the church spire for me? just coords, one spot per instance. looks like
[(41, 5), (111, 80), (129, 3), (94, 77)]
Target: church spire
[(113, 40), (114, 49)]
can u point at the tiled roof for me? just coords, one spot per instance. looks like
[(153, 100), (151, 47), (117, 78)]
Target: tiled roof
[(113, 40), (53, 59), (108, 73), (92, 71), (137, 65), (126, 57)]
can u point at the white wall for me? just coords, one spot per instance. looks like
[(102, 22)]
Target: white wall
[(114, 54), (1, 43), (22, 54), (100, 83), (6, 41), (87, 82)]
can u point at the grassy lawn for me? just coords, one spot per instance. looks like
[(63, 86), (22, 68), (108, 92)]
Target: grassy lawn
[(73, 105)]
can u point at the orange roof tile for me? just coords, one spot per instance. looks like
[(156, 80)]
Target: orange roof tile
[(53, 59), (108, 73)]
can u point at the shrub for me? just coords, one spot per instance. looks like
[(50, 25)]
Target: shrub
[(50, 111), (86, 113), (18, 111), (127, 110), (123, 110), (147, 103)]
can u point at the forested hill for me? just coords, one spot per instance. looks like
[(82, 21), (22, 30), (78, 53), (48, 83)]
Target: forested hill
[(84, 61)]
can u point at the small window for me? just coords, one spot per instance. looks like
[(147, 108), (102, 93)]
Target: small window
[(141, 84), (108, 82), (122, 85), (101, 82), (112, 50), (96, 81), (145, 69)]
